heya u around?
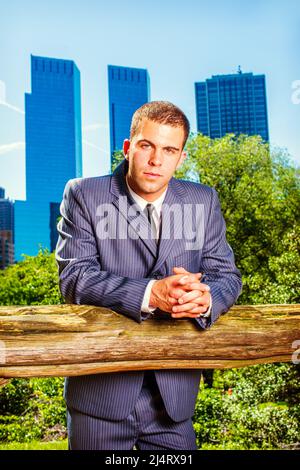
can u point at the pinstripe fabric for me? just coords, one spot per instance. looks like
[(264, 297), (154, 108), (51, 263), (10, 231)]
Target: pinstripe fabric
[(148, 427), (114, 273)]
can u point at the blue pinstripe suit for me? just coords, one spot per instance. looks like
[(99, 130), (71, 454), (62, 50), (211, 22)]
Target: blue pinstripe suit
[(114, 273)]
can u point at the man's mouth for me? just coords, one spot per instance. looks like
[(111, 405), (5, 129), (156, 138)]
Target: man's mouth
[(153, 175)]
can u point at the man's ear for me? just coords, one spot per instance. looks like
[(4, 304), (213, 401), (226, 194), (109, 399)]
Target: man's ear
[(181, 159), (126, 145)]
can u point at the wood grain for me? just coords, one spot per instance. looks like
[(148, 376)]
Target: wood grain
[(66, 340)]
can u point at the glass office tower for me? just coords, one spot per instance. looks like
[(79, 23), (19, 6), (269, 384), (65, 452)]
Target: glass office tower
[(53, 151), (6, 212), (129, 88), (6, 230), (234, 103)]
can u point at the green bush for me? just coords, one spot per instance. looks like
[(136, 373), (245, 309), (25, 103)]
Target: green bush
[(211, 417), (262, 383), (250, 408), (32, 409), (19, 428), (267, 425), (15, 396), (33, 281)]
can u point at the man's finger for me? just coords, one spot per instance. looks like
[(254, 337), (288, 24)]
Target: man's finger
[(197, 310), (177, 292), (193, 286), (194, 296), (182, 279), (185, 315), (200, 287), (190, 297), (188, 278), (172, 300), (189, 306), (181, 270), (195, 313)]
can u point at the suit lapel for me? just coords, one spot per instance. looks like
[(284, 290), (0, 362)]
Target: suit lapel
[(171, 226), (125, 204), (171, 222)]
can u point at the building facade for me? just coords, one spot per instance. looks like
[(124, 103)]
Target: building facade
[(128, 88), (234, 103), (6, 248), (53, 151), (6, 230)]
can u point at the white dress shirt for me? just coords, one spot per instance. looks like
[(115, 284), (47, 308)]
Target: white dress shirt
[(142, 203)]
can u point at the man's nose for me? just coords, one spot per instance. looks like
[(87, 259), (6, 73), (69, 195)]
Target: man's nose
[(156, 157)]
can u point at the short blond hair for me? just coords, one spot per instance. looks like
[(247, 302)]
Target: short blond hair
[(163, 112)]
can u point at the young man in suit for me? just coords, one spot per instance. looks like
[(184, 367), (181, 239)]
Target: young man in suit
[(120, 247)]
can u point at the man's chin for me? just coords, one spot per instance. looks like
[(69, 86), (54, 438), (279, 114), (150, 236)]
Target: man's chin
[(151, 188)]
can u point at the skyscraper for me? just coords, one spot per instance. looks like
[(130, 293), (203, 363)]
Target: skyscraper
[(6, 230), (129, 88), (53, 150), (234, 103), (6, 212)]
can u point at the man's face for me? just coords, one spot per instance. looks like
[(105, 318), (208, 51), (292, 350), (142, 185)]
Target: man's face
[(153, 155)]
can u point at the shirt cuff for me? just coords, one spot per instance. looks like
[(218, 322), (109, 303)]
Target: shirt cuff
[(146, 300), (207, 313)]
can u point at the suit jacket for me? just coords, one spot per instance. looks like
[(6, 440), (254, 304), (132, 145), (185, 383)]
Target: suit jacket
[(113, 272)]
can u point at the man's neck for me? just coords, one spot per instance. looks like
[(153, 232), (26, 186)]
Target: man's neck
[(147, 197)]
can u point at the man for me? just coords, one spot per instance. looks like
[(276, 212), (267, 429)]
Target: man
[(122, 246)]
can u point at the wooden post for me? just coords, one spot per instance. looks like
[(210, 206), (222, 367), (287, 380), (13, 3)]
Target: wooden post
[(67, 340)]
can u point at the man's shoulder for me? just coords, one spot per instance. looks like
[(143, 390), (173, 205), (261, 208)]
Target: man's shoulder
[(193, 189), (89, 183)]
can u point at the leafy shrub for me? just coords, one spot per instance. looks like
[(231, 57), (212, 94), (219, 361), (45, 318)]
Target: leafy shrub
[(15, 396), (250, 408), (38, 413), (262, 383), (33, 281), (211, 416), (32, 408)]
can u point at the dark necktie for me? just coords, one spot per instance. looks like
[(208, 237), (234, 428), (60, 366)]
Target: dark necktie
[(149, 213)]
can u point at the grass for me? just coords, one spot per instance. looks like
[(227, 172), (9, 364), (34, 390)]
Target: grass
[(35, 445)]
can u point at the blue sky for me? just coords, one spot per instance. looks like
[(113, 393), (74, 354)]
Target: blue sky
[(179, 42)]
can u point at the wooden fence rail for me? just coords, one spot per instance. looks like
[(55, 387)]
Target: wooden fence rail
[(65, 340)]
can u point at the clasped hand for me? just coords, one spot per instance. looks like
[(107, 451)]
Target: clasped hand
[(182, 295)]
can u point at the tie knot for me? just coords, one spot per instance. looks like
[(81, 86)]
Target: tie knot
[(150, 208), (149, 212)]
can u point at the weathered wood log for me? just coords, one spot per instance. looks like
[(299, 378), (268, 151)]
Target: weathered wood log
[(66, 340)]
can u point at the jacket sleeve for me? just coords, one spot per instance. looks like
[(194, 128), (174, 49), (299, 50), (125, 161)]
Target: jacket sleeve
[(81, 278), (218, 265)]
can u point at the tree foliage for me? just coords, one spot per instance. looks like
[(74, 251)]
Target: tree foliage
[(33, 281), (259, 191), (34, 408)]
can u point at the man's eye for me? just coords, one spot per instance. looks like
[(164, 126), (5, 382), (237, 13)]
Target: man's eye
[(145, 146), (170, 150)]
